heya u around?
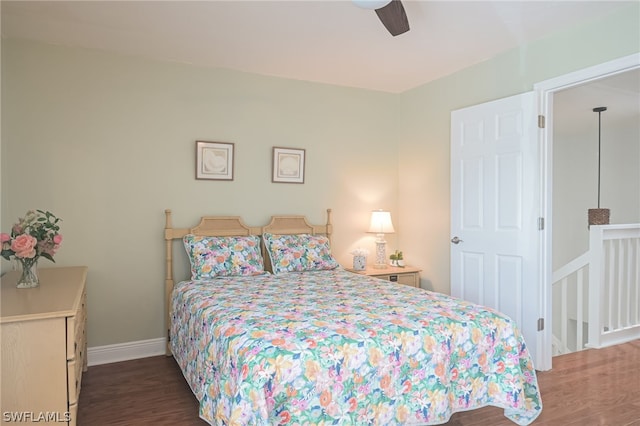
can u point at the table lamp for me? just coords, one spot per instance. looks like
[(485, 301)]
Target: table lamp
[(380, 225)]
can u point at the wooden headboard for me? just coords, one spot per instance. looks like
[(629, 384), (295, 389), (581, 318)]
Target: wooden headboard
[(291, 225), (227, 226)]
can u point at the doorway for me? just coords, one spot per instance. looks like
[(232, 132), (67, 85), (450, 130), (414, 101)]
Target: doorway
[(546, 91)]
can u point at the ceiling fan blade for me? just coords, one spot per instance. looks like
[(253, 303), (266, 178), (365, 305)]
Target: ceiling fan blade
[(394, 18)]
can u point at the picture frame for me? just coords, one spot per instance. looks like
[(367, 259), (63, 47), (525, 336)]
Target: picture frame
[(288, 165), (214, 160)]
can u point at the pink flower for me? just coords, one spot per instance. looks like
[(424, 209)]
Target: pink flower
[(47, 247), (24, 246), (5, 238), (57, 239)]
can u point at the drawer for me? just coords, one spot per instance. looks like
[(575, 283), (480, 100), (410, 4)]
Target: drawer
[(410, 279), (81, 316), (75, 328), (79, 364), (79, 332), (84, 348), (81, 345), (80, 359), (71, 340), (73, 414), (72, 381)]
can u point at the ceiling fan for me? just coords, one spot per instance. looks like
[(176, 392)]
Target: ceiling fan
[(390, 12)]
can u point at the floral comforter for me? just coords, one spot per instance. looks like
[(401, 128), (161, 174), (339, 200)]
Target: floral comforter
[(333, 347)]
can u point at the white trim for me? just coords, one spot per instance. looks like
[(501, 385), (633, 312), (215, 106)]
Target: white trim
[(126, 351), (545, 90), (596, 72)]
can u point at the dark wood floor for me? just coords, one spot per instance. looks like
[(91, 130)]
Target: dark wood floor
[(592, 387)]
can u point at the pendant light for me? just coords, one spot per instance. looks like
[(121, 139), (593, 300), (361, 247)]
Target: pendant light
[(599, 216)]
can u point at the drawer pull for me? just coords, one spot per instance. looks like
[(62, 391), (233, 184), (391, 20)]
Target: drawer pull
[(393, 278)]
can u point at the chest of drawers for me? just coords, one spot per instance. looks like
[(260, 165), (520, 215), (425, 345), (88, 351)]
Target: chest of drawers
[(43, 347)]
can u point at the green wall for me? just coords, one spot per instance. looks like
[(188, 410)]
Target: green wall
[(107, 143)]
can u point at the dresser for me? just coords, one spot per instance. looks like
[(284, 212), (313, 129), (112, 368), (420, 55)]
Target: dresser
[(407, 275), (44, 347)]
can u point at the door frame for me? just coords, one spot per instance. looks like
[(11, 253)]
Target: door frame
[(544, 94)]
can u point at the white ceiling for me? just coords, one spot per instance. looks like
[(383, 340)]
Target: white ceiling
[(329, 41), (620, 93)]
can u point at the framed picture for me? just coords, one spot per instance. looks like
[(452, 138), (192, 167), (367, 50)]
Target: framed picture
[(288, 165), (214, 160)]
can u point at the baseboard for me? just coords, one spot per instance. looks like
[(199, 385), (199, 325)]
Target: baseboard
[(126, 351)]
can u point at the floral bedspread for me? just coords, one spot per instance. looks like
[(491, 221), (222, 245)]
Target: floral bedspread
[(333, 347)]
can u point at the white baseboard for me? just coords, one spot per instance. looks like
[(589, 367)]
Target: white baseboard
[(126, 351)]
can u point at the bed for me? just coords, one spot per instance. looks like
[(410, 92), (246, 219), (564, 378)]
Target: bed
[(311, 343)]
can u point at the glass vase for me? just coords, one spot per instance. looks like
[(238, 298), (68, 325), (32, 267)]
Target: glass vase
[(29, 276)]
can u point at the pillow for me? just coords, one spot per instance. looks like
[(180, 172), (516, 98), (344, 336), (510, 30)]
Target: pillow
[(213, 257), (297, 253)]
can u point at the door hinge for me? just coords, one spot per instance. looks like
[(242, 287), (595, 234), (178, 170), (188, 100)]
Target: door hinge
[(540, 223), (540, 324), (541, 121)]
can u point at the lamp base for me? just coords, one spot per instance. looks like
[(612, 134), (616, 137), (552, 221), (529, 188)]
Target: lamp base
[(381, 252)]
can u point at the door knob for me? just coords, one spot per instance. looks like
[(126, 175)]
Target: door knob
[(456, 240)]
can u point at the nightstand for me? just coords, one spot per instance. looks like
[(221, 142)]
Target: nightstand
[(408, 275)]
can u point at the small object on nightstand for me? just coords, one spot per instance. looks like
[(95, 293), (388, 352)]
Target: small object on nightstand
[(407, 275), (397, 259), (360, 259), (359, 263)]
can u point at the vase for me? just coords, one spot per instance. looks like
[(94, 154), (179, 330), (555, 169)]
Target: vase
[(29, 276)]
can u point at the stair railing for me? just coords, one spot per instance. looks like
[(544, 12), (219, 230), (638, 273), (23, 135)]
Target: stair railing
[(604, 284), (614, 291)]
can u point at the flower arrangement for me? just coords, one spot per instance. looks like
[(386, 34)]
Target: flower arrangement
[(34, 236)]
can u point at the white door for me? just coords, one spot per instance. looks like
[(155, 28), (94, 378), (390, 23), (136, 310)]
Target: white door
[(495, 208)]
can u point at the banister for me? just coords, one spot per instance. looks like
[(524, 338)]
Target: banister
[(571, 267), (612, 284)]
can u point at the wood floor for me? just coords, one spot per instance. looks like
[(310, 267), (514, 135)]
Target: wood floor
[(592, 387)]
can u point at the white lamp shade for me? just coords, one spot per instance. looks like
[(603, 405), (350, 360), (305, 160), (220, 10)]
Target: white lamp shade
[(381, 222)]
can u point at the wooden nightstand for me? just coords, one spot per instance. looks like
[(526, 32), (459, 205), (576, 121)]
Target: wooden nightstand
[(408, 275)]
